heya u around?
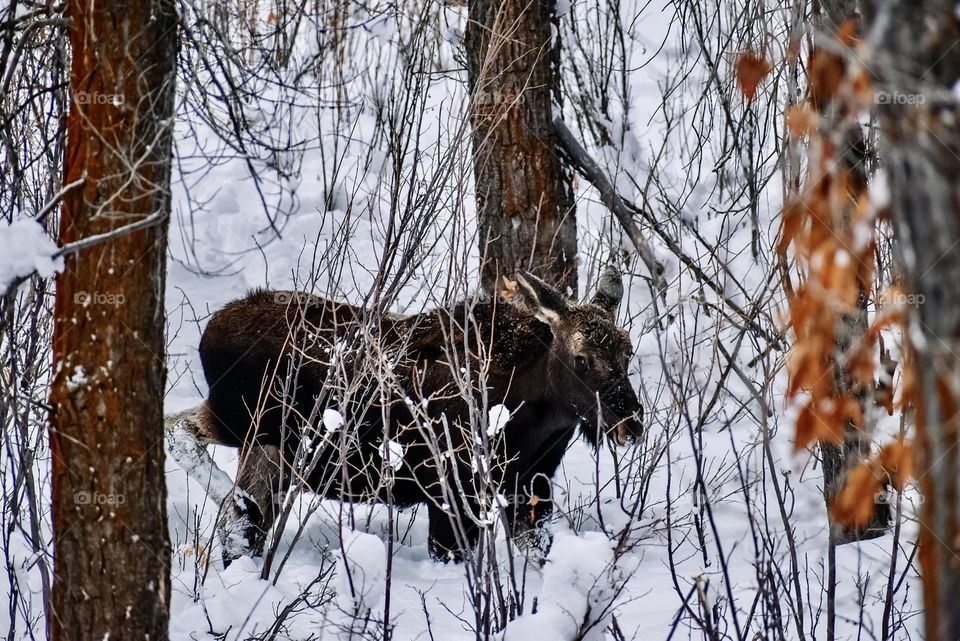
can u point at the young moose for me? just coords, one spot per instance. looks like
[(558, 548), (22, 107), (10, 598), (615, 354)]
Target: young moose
[(363, 407)]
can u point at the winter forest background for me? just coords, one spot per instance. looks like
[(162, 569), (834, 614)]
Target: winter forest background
[(776, 182)]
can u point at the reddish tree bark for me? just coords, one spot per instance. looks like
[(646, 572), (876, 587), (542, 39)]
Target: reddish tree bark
[(525, 204), (111, 550)]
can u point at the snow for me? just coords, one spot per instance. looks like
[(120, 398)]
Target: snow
[(392, 454), (361, 570), (880, 189), (193, 458), (25, 248), (581, 576), (576, 592), (497, 418), (217, 609), (78, 379), (332, 420), (331, 558)]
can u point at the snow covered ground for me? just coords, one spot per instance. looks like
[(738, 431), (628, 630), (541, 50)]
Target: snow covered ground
[(696, 547), (717, 462)]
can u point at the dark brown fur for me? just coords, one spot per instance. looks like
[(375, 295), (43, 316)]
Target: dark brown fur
[(275, 361)]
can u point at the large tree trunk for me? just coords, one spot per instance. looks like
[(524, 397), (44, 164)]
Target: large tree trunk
[(916, 53), (111, 552), (524, 195)]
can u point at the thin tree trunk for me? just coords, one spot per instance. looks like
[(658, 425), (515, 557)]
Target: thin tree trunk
[(831, 16), (524, 194), (111, 550), (920, 62)]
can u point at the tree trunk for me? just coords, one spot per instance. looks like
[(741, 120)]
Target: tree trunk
[(524, 194), (920, 61), (831, 16), (111, 550)]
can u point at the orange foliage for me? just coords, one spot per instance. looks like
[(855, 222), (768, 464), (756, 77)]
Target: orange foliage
[(824, 421), (908, 387), (829, 233), (896, 460), (826, 75), (751, 69), (802, 121), (509, 287), (854, 504), (848, 34)]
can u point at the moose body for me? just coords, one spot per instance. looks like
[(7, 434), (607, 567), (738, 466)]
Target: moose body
[(284, 369)]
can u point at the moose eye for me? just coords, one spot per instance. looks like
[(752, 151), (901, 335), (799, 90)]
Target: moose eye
[(580, 363)]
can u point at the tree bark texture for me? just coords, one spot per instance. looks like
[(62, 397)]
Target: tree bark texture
[(917, 56), (111, 549), (831, 17), (525, 204)]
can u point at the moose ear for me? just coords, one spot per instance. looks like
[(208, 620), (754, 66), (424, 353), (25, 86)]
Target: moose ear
[(609, 290), (538, 298)]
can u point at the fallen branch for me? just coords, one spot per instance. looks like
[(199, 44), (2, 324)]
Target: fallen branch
[(609, 196), (626, 212)]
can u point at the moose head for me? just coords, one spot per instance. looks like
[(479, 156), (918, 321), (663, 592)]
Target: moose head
[(588, 356)]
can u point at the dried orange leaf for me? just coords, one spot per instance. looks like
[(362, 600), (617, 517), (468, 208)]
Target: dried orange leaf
[(751, 68), (862, 89), (832, 417), (854, 504), (802, 121), (808, 366), (884, 396), (849, 411), (806, 434), (860, 367), (793, 50), (896, 459), (826, 74), (509, 287), (849, 32)]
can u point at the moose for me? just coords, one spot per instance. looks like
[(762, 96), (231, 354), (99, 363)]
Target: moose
[(363, 406)]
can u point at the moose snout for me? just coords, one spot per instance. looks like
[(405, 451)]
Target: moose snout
[(629, 429), (624, 415)]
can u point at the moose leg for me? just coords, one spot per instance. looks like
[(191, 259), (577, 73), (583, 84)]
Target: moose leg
[(187, 435), (447, 529), (453, 516), (261, 482), (529, 513)]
